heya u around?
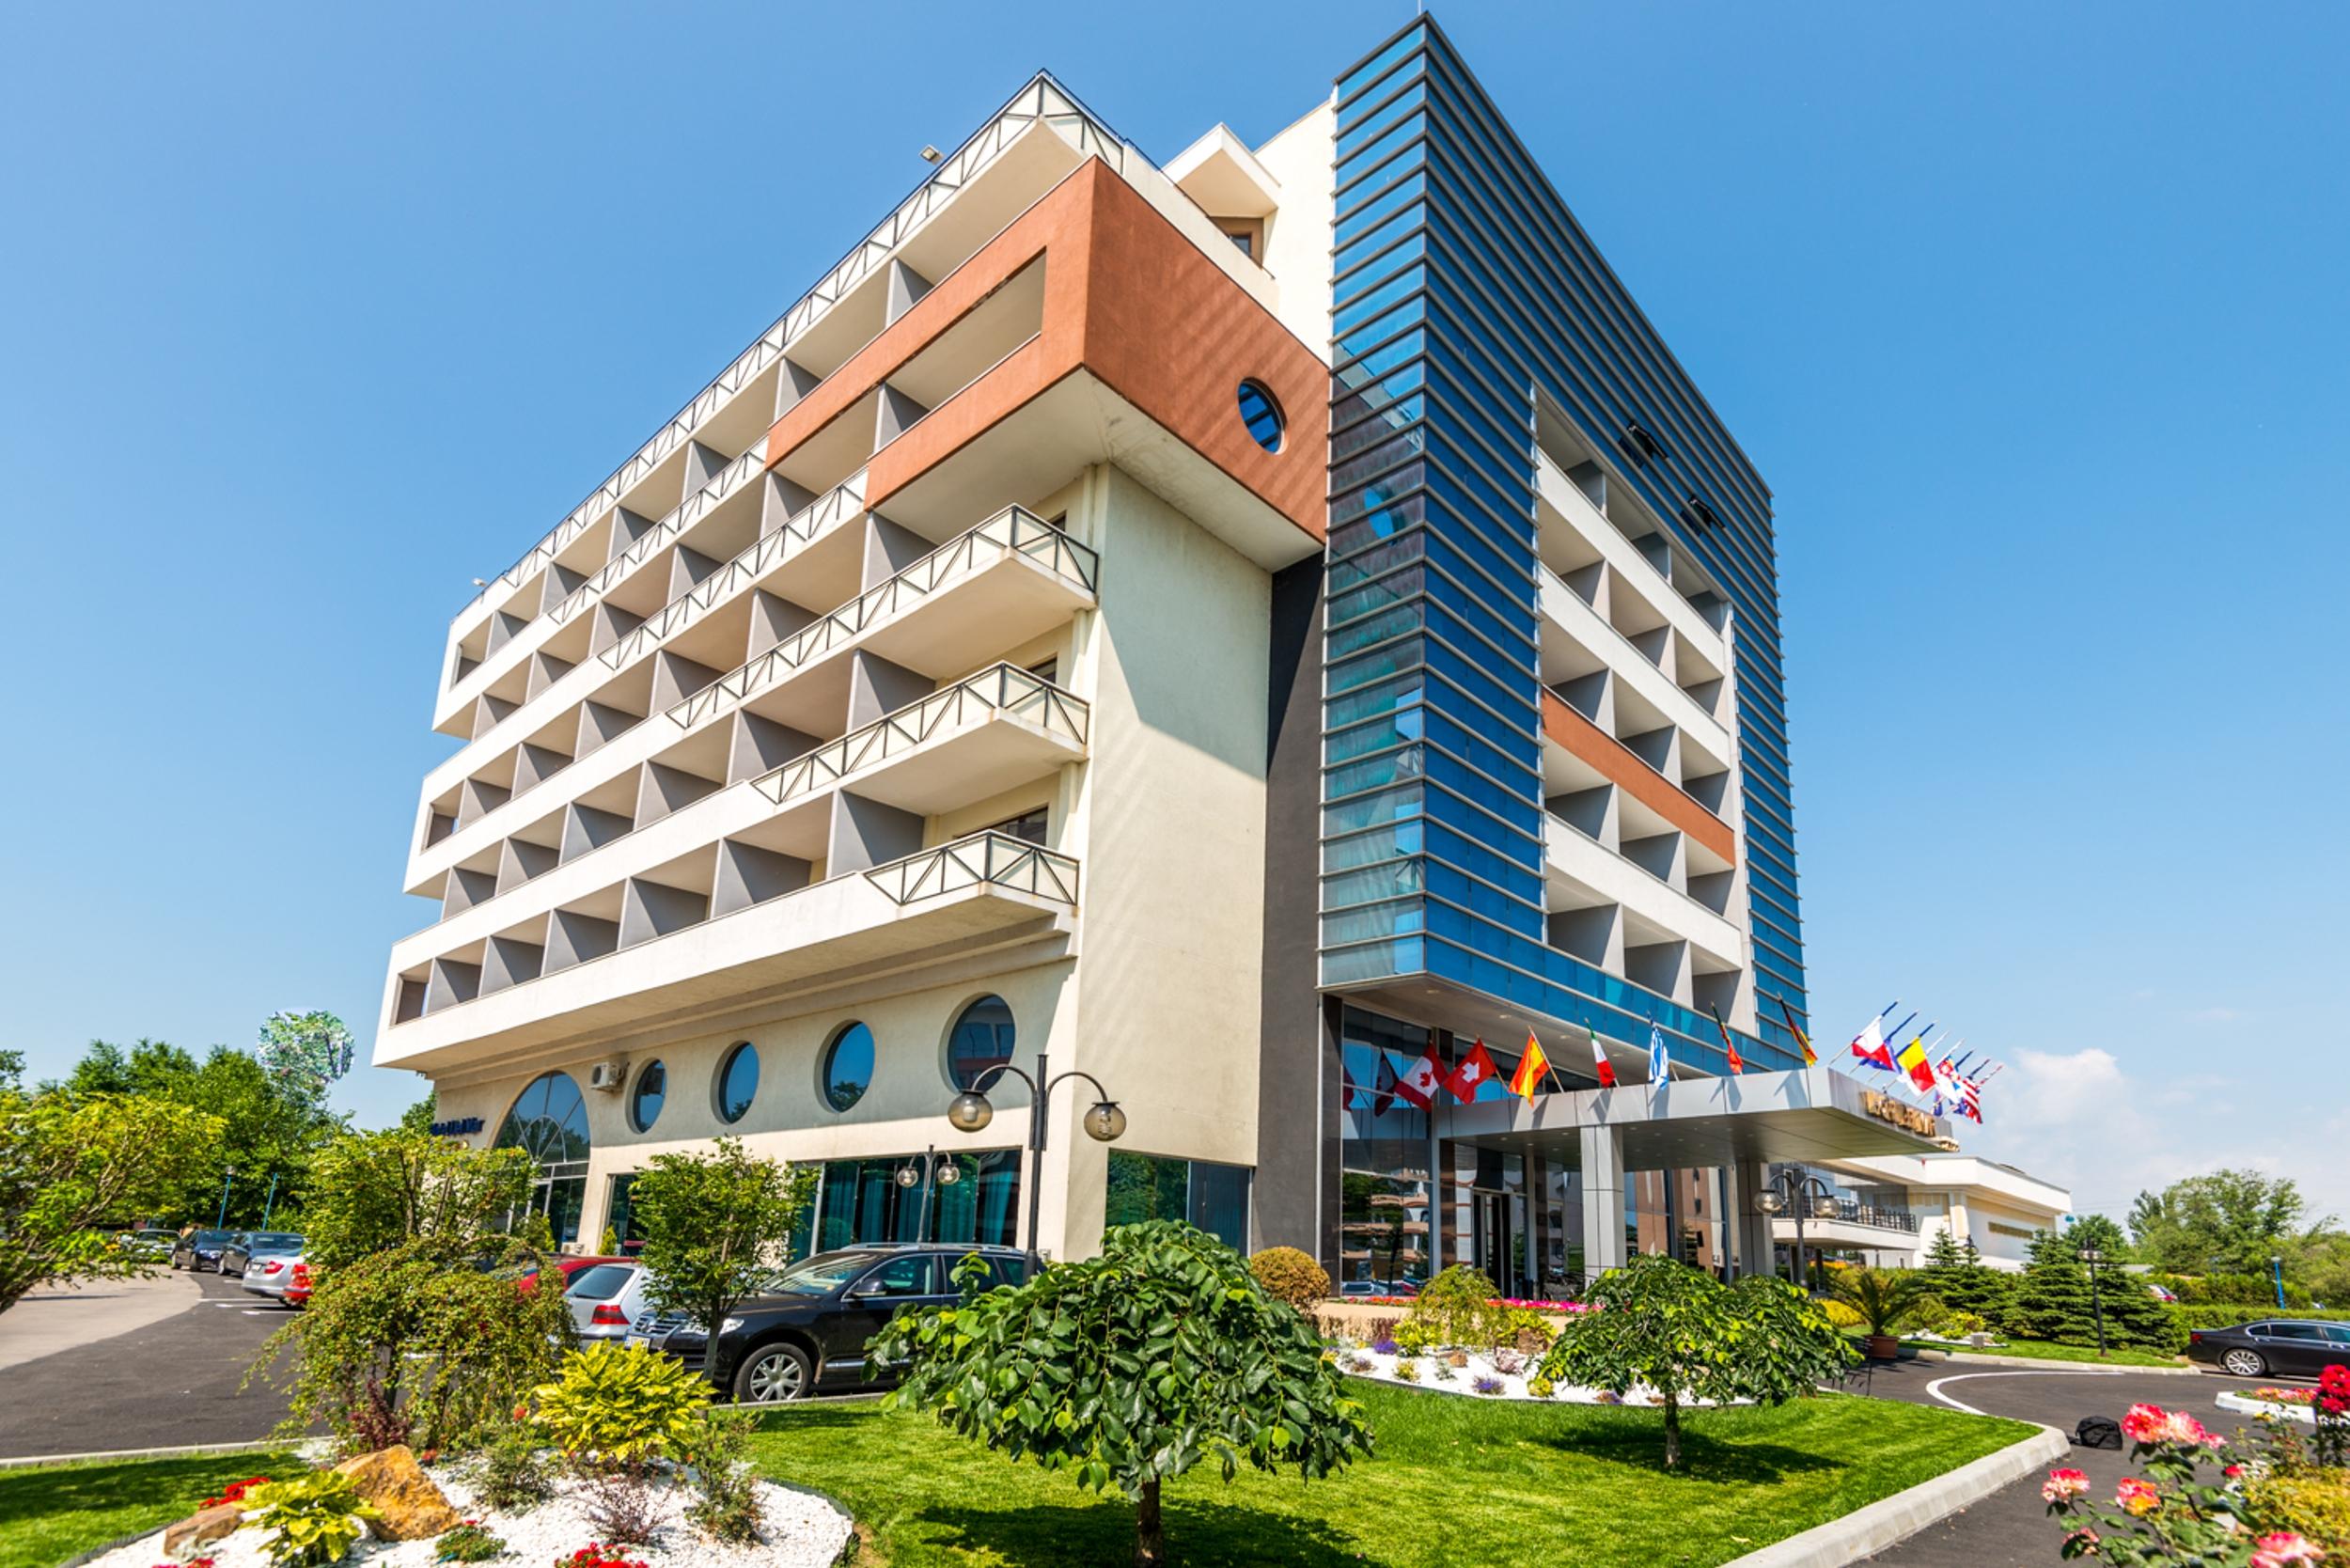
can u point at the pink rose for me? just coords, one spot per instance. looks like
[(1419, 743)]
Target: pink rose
[(2063, 1486), (2183, 1428), (2145, 1423), (2136, 1496), (2081, 1543), (2284, 1548)]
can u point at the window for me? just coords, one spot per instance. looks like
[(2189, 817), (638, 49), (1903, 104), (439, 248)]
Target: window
[(1047, 669), (1261, 413), (1244, 239), (548, 1121), (1028, 826), (861, 1202), (602, 1282), (899, 1276), (848, 1070), (1215, 1198), (644, 1101), (738, 1080), (982, 1038)]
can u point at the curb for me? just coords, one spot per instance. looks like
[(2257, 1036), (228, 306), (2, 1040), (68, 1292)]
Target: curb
[(1866, 1531), (2030, 1363)]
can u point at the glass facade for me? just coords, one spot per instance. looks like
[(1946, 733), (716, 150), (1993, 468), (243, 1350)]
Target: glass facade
[(1215, 1198), (862, 1200), (549, 1122), (1460, 284)]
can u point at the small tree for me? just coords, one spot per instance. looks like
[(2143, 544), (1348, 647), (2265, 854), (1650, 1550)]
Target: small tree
[(1681, 1332), (72, 1166), (371, 1192), (1288, 1275), (1458, 1306), (1942, 1253), (1131, 1368), (714, 1224), (1886, 1299)]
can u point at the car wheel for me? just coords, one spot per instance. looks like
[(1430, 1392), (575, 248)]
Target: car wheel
[(773, 1375), (2243, 1363)]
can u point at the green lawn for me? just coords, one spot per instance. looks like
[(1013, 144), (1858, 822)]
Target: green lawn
[(53, 1512), (1455, 1480), (2042, 1349)]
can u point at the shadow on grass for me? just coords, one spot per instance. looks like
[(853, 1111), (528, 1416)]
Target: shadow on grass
[(1703, 1457), (1102, 1535), (103, 1488)]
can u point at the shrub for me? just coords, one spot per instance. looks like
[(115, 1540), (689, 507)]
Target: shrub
[(619, 1402), (1288, 1275), (1046, 1370), (1965, 1323), (1358, 1363), (467, 1543), (1383, 1345), (1459, 1305), (619, 1505), (1488, 1385), (1526, 1329), (2311, 1502), (1886, 1300), (313, 1518), (511, 1474), (1415, 1338), (725, 1489), (1539, 1387), (1407, 1372)]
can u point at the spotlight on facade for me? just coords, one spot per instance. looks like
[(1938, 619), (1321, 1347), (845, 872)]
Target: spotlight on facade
[(930, 154)]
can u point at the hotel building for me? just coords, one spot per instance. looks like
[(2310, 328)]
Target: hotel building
[(1228, 626)]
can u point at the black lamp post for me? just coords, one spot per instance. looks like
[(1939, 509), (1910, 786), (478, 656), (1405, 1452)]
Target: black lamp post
[(970, 1112), (1791, 1192), (2090, 1258)]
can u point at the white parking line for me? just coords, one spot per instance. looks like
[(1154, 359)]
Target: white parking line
[(1933, 1389)]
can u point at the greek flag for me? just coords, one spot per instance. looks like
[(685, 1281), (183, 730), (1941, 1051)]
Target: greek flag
[(1659, 1063)]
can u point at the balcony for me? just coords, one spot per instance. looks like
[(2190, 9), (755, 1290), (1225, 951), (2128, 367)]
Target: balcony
[(982, 891), (1580, 874)]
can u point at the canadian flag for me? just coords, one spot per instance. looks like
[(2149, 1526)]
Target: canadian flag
[(1471, 1074), (1600, 1064), (1418, 1085)]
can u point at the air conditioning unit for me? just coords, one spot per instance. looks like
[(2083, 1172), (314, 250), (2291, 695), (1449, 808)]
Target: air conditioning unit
[(608, 1075)]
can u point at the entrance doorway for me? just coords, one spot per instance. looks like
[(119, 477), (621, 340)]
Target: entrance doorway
[(1500, 1242)]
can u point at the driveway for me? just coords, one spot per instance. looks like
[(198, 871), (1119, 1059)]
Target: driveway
[(2012, 1526), (166, 1380)]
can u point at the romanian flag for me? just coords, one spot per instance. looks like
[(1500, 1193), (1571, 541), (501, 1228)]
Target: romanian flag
[(1600, 1067), (1803, 1040), (1912, 1057), (1729, 1045), (1531, 1067)]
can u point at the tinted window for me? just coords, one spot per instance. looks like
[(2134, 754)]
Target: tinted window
[(2297, 1331), (273, 1240), (848, 1067), (602, 1282), (2337, 1333), (738, 1080), (820, 1275), (983, 1039), (651, 1091), (899, 1276)]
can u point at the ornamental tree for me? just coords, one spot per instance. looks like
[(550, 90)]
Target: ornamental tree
[(370, 1192), (1678, 1331), (73, 1168), (1130, 1368), (715, 1225)]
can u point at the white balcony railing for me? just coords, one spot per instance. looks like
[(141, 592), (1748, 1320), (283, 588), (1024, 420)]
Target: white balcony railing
[(1001, 690), (983, 859)]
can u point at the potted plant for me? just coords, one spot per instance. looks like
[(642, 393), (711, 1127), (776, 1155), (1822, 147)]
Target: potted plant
[(1886, 1300)]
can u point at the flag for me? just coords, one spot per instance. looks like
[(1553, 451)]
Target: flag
[(1383, 1088), (1803, 1040), (1471, 1074), (1730, 1046), (1912, 1057), (1420, 1081), (1346, 1079), (1659, 1063), (1869, 1044), (1605, 1069), (1531, 1067)]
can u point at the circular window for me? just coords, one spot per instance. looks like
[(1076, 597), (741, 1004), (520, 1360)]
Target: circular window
[(1261, 413), (644, 1101), (982, 1038), (738, 1080), (848, 1067)]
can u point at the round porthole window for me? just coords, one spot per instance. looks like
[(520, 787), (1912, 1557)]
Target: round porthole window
[(738, 1080), (848, 1067), (1261, 413), (643, 1101)]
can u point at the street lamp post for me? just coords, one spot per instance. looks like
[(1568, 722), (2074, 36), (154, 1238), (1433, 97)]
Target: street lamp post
[(220, 1221), (932, 1172), (1791, 1192), (2276, 1273), (2090, 1258), (970, 1112)]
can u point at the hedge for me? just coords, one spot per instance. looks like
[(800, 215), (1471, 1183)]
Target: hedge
[(2228, 1316)]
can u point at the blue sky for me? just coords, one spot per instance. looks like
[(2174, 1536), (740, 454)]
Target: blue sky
[(2034, 317)]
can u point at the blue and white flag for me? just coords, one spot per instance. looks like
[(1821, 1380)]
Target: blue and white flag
[(1659, 1063)]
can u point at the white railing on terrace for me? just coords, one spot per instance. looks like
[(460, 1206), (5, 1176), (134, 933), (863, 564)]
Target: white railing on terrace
[(994, 692), (843, 500), (651, 542), (989, 858), (1041, 100), (1015, 530)]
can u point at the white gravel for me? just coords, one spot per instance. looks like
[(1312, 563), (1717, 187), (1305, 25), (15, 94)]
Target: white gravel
[(1437, 1373), (803, 1531)]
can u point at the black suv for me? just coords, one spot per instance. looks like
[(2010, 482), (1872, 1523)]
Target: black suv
[(806, 1333)]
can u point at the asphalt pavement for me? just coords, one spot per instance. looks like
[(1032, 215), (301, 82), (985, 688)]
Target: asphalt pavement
[(165, 1382), (2012, 1526)]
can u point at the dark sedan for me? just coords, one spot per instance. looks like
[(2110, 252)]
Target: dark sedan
[(2272, 1347), (809, 1334), (201, 1249), (246, 1245)]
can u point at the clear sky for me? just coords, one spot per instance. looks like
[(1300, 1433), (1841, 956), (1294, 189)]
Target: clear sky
[(2036, 318)]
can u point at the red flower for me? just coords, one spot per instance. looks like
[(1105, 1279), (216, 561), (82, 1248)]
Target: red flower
[(2136, 1496), (2145, 1423)]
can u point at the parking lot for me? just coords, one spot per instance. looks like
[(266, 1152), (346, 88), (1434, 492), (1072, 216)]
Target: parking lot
[(168, 1379)]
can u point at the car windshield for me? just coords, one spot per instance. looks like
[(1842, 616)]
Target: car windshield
[(273, 1240), (822, 1276), (602, 1282), (210, 1238)]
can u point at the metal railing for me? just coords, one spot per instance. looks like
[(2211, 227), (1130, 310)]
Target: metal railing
[(1015, 530), (1849, 1212), (1000, 690), (1043, 101), (995, 859)]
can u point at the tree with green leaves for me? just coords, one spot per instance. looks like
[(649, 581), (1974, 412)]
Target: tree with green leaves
[(2227, 1222), (1666, 1326), (372, 1192), (75, 1167), (1130, 1368), (716, 1224), (1964, 1282), (2104, 1233), (2054, 1302), (1888, 1299)]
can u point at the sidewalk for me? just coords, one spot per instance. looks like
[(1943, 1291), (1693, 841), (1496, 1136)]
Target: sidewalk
[(51, 1318)]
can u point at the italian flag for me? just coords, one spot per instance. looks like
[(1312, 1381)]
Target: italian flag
[(1600, 1067)]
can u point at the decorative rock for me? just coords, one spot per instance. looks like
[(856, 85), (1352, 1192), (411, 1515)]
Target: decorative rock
[(413, 1508), (202, 1529)]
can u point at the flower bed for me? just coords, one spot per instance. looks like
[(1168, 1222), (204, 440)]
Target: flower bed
[(803, 1531), (1481, 1375), (2285, 1404)]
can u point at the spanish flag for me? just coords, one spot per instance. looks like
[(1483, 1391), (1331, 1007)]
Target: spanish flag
[(1531, 1067), (1803, 1040), (1912, 1057)]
